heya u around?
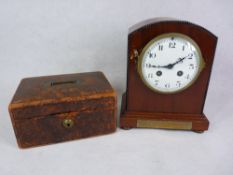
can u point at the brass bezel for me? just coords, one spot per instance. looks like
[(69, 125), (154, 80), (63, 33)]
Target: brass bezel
[(139, 65)]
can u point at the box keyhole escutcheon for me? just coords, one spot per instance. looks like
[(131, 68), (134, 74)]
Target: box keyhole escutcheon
[(68, 123)]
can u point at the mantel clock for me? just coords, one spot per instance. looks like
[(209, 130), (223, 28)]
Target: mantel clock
[(168, 72)]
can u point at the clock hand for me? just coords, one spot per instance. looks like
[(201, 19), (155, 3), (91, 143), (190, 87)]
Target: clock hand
[(171, 65), (181, 59), (153, 66)]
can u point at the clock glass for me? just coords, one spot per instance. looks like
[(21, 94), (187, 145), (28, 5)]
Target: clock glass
[(170, 63)]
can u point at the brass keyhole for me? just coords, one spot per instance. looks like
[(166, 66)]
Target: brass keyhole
[(68, 123)]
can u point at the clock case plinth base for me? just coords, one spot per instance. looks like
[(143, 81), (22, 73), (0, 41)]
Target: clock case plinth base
[(175, 121)]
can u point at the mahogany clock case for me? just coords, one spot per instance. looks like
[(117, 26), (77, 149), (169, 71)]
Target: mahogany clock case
[(53, 109), (141, 103)]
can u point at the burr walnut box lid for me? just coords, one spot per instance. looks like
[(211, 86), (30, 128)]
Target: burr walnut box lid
[(40, 96), (44, 107)]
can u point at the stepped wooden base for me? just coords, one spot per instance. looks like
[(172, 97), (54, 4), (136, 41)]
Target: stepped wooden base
[(132, 119)]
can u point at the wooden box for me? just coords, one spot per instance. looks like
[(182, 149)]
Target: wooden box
[(53, 109)]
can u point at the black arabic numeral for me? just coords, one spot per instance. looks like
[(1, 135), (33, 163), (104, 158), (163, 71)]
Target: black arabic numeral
[(150, 75), (183, 47), (187, 76), (191, 66), (148, 65), (178, 83), (167, 85), (152, 55), (172, 45), (160, 47)]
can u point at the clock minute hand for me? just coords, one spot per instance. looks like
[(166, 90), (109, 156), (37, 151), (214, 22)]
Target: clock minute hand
[(181, 59), (171, 65)]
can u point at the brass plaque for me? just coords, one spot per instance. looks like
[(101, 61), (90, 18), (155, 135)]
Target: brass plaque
[(164, 124)]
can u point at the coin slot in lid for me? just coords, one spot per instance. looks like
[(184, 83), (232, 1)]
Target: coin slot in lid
[(56, 83)]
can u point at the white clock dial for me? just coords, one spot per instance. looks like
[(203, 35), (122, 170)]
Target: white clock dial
[(170, 63)]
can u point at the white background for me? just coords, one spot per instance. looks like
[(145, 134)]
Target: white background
[(47, 37)]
